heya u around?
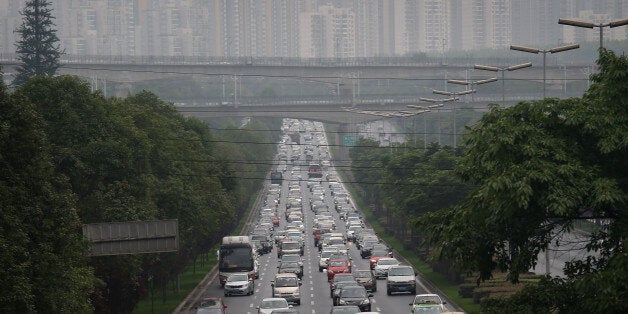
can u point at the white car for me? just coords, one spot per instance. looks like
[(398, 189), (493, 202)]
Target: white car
[(268, 305), (383, 265), (427, 303), (324, 258)]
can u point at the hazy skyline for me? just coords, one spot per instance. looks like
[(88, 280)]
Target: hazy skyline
[(312, 28)]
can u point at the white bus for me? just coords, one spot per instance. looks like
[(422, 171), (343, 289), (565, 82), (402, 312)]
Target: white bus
[(236, 255)]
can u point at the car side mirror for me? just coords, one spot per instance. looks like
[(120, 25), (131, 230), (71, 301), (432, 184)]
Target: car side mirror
[(370, 295), (300, 283)]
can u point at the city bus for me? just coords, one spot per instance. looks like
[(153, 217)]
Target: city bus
[(236, 255)]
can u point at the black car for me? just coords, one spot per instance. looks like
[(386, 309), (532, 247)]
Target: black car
[(290, 267), (366, 278), (366, 248), (339, 286), (356, 296)]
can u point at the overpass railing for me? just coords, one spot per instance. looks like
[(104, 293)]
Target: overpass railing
[(415, 61), (381, 100)]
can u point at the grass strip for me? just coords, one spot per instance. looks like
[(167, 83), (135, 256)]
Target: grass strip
[(189, 279)]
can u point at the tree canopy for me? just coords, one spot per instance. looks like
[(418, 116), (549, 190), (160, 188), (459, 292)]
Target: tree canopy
[(535, 169), (71, 156), (38, 48)]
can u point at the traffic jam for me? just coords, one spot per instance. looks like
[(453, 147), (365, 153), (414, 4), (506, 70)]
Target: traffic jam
[(310, 250)]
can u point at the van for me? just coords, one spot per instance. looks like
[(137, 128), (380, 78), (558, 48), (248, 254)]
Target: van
[(287, 286)]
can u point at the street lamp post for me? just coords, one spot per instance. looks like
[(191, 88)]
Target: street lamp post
[(440, 104), (424, 113), (503, 70), (454, 98), (585, 24), (544, 52)]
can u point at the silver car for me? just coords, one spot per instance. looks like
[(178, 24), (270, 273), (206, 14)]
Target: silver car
[(239, 284)]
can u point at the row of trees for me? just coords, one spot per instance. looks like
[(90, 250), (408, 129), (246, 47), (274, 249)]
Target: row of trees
[(70, 156), (524, 174)]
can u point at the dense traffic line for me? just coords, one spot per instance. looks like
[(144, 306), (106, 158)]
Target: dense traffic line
[(309, 251)]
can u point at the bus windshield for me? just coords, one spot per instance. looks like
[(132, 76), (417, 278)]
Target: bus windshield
[(236, 259)]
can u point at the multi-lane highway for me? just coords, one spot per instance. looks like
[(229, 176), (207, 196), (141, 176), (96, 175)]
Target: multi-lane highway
[(315, 288)]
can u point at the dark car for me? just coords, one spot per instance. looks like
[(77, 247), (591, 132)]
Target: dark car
[(355, 296), (366, 278), (339, 287), (366, 247), (290, 267), (338, 278), (293, 258), (265, 243)]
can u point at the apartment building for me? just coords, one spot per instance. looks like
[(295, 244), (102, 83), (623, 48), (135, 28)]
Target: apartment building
[(312, 28)]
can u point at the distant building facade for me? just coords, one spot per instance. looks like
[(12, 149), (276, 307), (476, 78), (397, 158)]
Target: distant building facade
[(312, 28)]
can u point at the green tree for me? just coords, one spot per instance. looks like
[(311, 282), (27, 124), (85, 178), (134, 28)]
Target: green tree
[(42, 253), (38, 47), (536, 168)]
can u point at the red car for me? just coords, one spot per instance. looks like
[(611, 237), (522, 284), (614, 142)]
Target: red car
[(275, 220), (337, 266), (376, 255), (318, 232)]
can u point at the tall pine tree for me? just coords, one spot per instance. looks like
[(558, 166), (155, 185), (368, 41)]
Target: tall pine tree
[(38, 49)]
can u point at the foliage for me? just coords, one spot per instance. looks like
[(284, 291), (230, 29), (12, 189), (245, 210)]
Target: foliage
[(405, 182), (41, 252), (38, 48), (535, 169), (124, 160)]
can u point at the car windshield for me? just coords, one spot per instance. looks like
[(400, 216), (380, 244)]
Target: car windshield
[(337, 263), (327, 254), (403, 271), (427, 299), (338, 255), (274, 304), (427, 310), (209, 311), (346, 310), (286, 282), (387, 262), (290, 245), (209, 303), (362, 273), (289, 265), (238, 277), (349, 292), (344, 278), (379, 253), (291, 258)]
